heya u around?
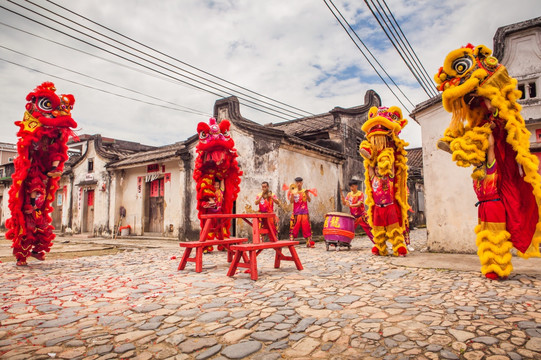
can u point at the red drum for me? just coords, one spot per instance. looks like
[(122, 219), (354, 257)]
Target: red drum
[(338, 229)]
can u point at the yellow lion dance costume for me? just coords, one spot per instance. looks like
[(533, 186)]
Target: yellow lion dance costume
[(488, 133), (386, 177)]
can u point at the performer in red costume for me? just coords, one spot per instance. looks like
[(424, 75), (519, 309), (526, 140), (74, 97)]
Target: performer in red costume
[(355, 201), (386, 179), (265, 201), (300, 219), (41, 153), (488, 133), (216, 163)]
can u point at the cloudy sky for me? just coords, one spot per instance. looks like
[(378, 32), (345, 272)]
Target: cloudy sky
[(291, 51)]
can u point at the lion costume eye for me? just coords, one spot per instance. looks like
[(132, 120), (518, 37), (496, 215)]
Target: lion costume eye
[(463, 64), (203, 135), (45, 104), (227, 134)]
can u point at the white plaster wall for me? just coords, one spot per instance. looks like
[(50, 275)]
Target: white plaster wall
[(172, 207), (6, 213), (522, 59), (256, 169), (522, 56), (193, 224), (66, 199), (131, 199), (531, 129), (451, 214), (317, 172), (128, 195), (182, 191), (101, 190)]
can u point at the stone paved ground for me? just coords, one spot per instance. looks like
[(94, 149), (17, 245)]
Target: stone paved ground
[(343, 305)]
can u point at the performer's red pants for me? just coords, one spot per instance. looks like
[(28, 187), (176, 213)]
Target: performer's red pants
[(491, 212), (300, 222), (360, 221), (386, 216)]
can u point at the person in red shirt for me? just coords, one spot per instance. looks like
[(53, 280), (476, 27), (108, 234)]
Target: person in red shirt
[(265, 201), (355, 201), (300, 219)]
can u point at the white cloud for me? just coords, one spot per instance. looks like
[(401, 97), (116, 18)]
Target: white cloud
[(279, 48)]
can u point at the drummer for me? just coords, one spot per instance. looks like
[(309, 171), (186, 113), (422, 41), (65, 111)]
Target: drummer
[(300, 218), (355, 201), (266, 200)]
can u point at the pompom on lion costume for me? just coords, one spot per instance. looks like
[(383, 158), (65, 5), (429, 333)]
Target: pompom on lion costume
[(386, 177), (488, 133)]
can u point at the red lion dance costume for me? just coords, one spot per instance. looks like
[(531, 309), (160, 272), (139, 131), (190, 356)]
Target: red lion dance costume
[(386, 177), (216, 173), (42, 151), (488, 132)]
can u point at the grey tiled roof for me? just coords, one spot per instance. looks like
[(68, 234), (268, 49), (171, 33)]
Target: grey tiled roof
[(306, 125), (415, 158), (157, 154)]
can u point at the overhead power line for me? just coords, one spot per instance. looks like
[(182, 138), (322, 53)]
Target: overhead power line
[(153, 57), (247, 103), (245, 98), (94, 88), (136, 69), (108, 60), (343, 20), (187, 109), (168, 77), (175, 59), (394, 33)]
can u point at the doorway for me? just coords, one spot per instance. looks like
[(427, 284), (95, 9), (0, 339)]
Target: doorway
[(57, 210), (88, 213), (154, 201)]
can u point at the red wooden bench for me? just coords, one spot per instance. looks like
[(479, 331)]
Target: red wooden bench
[(250, 261), (199, 245)]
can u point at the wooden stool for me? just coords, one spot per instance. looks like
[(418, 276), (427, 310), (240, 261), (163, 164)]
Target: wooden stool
[(200, 245), (255, 249)]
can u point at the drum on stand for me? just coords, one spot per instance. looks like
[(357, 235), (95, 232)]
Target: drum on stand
[(338, 229)]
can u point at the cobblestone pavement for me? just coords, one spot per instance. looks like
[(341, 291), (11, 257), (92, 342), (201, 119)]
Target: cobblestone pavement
[(343, 305)]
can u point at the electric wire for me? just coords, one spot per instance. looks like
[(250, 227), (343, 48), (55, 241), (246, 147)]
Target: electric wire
[(396, 44), (127, 59), (423, 79), (136, 56), (117, 63), (175, 59), (96, 56), (370, 52), (96, 88), (403, 52), (412, 50), (366, 57), (193, 111), (158, 59)]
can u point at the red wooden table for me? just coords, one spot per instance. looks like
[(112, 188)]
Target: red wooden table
[(215, 222), (246, 252)]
